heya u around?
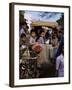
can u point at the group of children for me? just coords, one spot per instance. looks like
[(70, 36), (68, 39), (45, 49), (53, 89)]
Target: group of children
[(56, 39)]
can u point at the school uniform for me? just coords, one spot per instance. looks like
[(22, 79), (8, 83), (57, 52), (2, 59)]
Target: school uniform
[(32, 40)]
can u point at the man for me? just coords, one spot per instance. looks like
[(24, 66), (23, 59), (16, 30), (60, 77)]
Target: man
[(60, 64)]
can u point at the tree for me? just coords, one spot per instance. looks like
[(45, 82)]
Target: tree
[(61, 20), (21, 16)]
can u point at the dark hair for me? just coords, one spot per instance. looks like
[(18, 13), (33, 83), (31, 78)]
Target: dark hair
[(60, 31), (23, 23), (39, 35), (54, 36), (23, 35), (41, 32), (32, 31), (61, 46)]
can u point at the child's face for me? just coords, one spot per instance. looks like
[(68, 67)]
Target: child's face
[(42, 34), (33, 34), (24, 39)]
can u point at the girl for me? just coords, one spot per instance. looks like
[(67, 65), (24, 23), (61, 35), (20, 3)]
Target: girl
[(43, 57), (41, 38), (33, 37)]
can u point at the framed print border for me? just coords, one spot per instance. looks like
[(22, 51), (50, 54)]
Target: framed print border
[(12, 47)]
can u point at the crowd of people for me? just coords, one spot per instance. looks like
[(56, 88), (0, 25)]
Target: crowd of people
[(34, 43)]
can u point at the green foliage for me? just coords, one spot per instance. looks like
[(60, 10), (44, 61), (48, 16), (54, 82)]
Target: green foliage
[(61, 20)]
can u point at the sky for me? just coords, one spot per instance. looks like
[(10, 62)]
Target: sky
[(38, 16)]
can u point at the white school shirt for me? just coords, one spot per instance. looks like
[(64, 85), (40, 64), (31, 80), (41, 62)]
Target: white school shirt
[(60, 65), (32, 40)]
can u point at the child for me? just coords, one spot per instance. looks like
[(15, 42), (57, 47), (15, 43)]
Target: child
[(54, 41), (55, 44), (32, 38), (41, 38), (32, 42), (43, 57), (22, 45), (23, 40)]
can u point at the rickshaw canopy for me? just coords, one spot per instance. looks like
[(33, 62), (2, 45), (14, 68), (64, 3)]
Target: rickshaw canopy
[(46, 24)]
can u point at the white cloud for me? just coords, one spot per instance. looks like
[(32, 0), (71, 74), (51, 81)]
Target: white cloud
[(35, 16)]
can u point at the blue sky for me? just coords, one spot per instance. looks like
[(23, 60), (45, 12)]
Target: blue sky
[(37, 16)]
